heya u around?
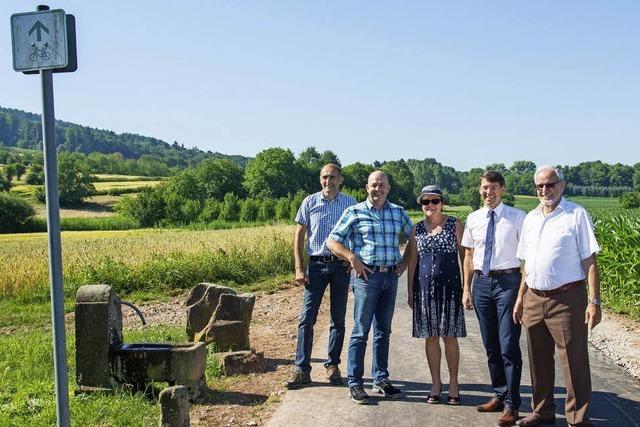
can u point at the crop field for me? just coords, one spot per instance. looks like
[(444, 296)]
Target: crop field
[(110, 185), (145, 260), (528, 203)]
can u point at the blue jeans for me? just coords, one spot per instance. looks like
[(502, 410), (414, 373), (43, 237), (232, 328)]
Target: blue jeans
[(374, 301), (493, 299), (321, 274)]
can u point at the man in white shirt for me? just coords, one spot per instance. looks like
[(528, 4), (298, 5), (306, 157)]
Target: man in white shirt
[(558, 247), (491, 282)]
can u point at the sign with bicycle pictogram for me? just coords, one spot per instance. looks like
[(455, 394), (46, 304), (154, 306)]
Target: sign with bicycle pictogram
[(39, 40)]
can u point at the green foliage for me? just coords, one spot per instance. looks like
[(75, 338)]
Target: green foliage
[(283, 208), (5, 182), (219, 177), (273, 173), (630, 200), (230, 210), (267, 210), (619, 260), (359, 194), (75, 182), (249, 209), (508, 199), (35, 176), (295, 203), (402, 183), (210, 211), (356, 175), (147, 208), (14, 213)]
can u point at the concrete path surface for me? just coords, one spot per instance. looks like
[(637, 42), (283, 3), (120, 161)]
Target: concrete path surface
[(616, 395)]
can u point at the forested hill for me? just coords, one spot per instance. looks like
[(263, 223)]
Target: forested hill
[(24, 130)]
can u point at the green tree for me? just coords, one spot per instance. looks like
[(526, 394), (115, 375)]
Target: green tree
[(5, 182), (356, 175), (14, 212), (402, 183), (219, 177), (75, 182), (230, 210), (273, 173)]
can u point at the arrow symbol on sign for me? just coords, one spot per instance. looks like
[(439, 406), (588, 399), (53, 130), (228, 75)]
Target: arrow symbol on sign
[(38, 27)]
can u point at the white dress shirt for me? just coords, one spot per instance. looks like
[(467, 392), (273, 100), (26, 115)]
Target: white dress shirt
[(508, 226), (553, 246)]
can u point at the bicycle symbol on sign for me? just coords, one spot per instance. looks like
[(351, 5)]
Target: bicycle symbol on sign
[(39, 53)]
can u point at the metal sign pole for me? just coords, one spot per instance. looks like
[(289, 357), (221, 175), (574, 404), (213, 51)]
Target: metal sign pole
[(55, 249)]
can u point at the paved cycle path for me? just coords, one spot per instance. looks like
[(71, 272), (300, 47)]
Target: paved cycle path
[(616, 394)]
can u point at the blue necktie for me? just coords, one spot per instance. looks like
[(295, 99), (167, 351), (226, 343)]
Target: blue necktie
[(488, 243)]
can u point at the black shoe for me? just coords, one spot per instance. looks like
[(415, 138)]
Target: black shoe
[(358, 395), (385, 387), (298, 380)]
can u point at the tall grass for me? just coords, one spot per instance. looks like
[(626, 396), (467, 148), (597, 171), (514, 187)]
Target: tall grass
[(134, 261)]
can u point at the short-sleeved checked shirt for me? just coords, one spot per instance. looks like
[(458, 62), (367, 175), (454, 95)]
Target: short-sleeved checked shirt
[(319, 215), (375, 235)]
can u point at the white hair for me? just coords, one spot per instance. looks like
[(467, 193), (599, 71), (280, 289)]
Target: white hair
[(555, 170)]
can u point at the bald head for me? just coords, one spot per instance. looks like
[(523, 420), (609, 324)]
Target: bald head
[(377, 188), (378, 175)]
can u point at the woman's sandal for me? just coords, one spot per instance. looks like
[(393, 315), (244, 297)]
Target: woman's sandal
[(433, 398), (453, 400)]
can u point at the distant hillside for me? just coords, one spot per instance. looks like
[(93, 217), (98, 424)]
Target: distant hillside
[(24, 130)]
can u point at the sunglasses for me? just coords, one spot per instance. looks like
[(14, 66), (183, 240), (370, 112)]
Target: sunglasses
[(548, 185), (425, 202)]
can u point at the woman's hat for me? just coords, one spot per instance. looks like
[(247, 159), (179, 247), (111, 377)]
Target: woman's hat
[(430, 190)]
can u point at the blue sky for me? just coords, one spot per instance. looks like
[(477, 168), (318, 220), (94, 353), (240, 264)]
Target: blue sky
[(469, 83)]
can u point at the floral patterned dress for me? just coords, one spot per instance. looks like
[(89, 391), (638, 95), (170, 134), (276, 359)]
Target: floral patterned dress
[(437, 287)]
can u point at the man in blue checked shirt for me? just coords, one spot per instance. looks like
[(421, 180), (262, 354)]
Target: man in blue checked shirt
[(373, 228), (316, 217)]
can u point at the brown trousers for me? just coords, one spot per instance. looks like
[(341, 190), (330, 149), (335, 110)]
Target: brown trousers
[(557, 321)]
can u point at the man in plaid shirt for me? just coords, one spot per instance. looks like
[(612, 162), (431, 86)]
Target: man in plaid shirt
[(373, 228), (316, 216)]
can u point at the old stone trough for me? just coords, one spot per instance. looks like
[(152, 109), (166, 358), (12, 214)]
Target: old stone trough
[(215, 315), (104, 361)]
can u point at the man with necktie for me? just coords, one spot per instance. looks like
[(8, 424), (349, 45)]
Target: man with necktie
[(491, 281)]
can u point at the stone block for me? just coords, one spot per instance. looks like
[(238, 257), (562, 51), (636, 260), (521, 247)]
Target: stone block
[(242, 362), (226, 334), (98, 330), (175, 407), (201, 304)]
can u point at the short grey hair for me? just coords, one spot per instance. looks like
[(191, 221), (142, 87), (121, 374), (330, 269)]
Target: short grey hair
[(555, 170)]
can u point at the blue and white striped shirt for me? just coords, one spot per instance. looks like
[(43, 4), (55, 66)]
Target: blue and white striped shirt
[(375, 235), (319, 215)]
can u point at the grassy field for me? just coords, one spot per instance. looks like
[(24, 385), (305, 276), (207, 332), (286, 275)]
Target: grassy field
[(149, 259)]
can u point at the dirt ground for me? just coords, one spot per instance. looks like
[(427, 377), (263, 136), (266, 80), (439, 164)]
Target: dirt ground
[(245, 400), (249, 400)]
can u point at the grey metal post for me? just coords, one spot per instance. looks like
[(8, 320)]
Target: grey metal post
[(55, 247)]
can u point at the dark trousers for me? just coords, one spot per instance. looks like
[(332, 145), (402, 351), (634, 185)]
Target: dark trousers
[(493, 299), (557, 321), (321, 274)]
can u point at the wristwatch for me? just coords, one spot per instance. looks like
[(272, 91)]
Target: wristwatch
[(594, 301)]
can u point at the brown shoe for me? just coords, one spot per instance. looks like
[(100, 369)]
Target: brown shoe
[(299, 379), (333, 375), (508, 417), (535, 419), (493, 405)]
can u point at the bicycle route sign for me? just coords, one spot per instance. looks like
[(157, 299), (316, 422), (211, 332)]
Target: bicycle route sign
[(39, 40)]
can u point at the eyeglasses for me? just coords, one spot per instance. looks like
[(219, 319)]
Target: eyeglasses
[(425, 202), (547, 185)]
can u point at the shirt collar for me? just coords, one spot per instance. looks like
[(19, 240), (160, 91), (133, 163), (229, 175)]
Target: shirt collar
[(498, 209), (370, 205), (562, 206), (327, 200)]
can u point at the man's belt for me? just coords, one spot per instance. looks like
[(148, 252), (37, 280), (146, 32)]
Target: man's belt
[(557, 290), (494, 273), (381, 268), (324, 258)]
